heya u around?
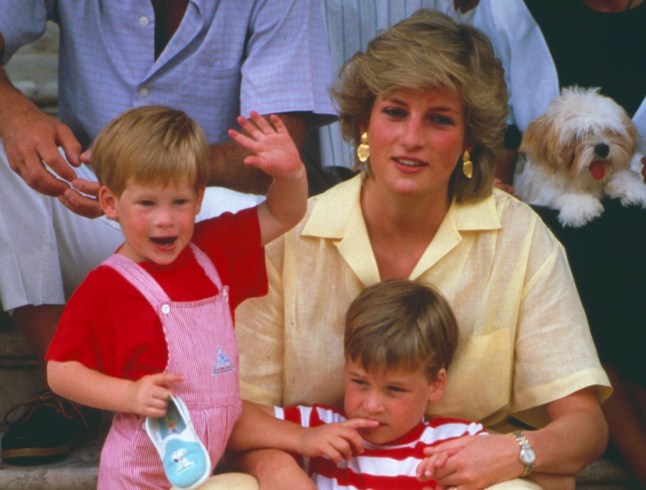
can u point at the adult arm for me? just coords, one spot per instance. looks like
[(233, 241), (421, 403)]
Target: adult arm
[(31, 137), (576, 434)]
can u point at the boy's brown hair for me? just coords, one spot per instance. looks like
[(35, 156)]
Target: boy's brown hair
[(401, 325), (150, 144)]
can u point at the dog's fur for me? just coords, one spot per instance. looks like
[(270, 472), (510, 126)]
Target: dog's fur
[(579, 151)]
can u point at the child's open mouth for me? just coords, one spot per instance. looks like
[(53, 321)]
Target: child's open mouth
[(164, 241)]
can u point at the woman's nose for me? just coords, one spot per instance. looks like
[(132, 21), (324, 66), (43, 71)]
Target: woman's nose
[(412, 136)]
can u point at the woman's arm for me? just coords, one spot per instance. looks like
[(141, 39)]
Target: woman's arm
[(148, 396), (576, 435)]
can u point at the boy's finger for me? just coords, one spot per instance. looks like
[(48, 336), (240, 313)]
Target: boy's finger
[(167, 379), (359, 423), (262, 123), (278, 123)]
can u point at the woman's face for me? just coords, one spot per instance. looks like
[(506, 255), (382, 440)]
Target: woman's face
[(416, 139)]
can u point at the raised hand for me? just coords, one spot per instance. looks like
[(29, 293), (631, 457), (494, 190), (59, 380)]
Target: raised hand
[(273, 150)]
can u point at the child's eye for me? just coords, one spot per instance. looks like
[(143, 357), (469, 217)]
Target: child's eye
[(146, 202), (359, 382), (395, 389), (180, 202)]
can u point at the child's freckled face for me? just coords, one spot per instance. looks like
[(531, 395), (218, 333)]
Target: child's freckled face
[(157, 221), (396, 399)]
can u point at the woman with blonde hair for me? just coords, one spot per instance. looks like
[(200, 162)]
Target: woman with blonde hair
[(426, 106)]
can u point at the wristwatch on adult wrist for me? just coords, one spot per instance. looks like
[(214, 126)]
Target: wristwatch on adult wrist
[(527, 455)]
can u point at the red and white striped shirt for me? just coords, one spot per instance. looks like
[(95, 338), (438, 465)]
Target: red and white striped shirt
[(380, 466)]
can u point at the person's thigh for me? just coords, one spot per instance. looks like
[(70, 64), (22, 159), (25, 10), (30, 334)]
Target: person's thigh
[(230, 481), (517, 484)]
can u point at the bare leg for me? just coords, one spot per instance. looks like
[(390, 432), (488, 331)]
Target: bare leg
[(627, 426), (38, 324)]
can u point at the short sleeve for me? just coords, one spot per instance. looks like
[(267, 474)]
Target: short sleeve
[(232, 242), (287, 66), (22, 22)]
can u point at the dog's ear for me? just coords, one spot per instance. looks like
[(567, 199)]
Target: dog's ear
[(631, 131), (540, 143)]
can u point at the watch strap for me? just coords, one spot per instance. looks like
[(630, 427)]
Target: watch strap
[(525, 447)]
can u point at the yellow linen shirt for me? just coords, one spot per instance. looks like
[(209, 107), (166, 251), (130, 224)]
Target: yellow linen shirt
[(524, 338)]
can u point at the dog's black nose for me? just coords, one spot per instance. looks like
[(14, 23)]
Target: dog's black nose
[(602, 150)]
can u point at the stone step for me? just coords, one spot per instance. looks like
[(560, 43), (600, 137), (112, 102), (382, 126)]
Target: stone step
[(78, 472)]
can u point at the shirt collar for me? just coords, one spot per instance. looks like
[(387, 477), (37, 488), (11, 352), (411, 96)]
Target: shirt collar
[(339, 209), (336, 215)]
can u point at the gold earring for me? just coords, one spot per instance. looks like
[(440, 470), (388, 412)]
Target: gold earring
[(363, 150), (467, 165)]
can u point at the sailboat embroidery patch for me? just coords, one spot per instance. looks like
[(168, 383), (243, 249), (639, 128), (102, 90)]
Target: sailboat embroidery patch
[(222, 362)]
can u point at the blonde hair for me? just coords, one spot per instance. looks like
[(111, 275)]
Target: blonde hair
[(430, 50), (151, 144), (401, 325)]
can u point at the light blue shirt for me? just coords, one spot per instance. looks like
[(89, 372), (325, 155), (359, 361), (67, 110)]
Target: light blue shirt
[(228, 57), (351, 25)]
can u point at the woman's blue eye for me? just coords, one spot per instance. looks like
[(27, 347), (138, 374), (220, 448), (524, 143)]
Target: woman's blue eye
[(443, 120), (394, 112)]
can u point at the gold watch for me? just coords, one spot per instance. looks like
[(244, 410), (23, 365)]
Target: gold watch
[(527, 455)]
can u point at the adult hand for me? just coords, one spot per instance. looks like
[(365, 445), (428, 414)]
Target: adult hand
[(148, 396), (474, 462), (31, 138), (82, 196)]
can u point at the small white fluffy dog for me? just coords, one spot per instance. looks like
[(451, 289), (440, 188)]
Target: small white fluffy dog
[(579, 151)]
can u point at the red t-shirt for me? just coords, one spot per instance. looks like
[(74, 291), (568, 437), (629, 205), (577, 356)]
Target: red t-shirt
[(109, 326)]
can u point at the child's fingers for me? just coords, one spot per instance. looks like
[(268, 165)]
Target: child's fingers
[(360, 423), (278, 123), (167, 379), (255, 125)]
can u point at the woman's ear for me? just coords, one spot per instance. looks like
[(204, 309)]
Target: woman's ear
[(436, 390), (108, 202)]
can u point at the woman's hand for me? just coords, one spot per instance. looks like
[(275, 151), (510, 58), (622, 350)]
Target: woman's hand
[(472, 462)]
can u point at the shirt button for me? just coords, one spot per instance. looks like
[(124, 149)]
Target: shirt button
[(144, 92), (165, 309), (144, 21)]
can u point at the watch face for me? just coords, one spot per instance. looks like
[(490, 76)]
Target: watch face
[(527, 455)]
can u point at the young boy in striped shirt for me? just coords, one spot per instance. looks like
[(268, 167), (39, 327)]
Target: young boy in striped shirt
[(400, 337)]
